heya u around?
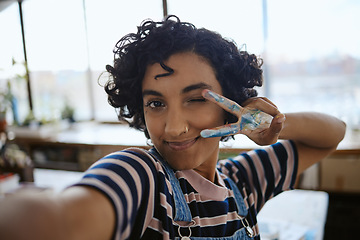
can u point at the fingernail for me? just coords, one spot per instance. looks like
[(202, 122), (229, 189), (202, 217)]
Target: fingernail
[(208, 133), (211, 94), (224, 131), (280, 118)]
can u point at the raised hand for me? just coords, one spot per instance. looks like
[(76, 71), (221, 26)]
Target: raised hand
[(263, 128)]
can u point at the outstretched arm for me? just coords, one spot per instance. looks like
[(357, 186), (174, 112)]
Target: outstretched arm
[(77, 213)]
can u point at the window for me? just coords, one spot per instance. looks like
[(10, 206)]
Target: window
[(107, 22), (57, 57), (314, 57), (310, 50), (68, 45)]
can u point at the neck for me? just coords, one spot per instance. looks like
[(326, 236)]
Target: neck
[(208, 173)]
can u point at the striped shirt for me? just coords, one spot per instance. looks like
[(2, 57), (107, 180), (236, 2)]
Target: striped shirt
[(139, 189)]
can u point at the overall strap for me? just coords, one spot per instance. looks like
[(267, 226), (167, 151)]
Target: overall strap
[(182, 210), (239, 200), (242, 211)]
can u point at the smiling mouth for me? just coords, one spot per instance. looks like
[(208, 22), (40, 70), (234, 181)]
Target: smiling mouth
[(180, 146)]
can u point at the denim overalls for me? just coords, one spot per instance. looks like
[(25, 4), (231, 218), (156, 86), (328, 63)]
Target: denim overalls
[(183, 214)]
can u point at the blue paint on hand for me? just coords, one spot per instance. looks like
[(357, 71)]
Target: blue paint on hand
[(224, 131), (251, 119), (230, 105)]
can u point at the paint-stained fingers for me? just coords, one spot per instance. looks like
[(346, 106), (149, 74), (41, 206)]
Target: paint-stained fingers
[(263, 104), (270, 135), (225, 130), (252, 119), (223, 102), (251, 100)]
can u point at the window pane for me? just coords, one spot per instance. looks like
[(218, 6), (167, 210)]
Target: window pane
[(107, 22), (237, 20), (240, 20), (57, 57), (314, 56), (311, 54), (12, 61)]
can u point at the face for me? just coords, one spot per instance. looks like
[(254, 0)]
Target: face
[(175, 112)]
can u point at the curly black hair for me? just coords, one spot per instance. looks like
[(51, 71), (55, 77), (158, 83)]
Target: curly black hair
[(237, 71)]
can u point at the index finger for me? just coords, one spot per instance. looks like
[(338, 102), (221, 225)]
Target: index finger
[(222, 101), (225, 130)]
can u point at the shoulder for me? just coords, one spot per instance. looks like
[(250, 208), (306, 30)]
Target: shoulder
[(128, 158), (131, 168), (129, 178), (272, 162), (264, 172), (127, 154), (282, 151)]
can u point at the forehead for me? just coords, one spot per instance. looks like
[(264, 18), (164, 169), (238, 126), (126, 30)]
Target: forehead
[(189, 69)]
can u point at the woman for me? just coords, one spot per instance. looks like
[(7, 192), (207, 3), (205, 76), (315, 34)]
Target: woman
[(169, 80)]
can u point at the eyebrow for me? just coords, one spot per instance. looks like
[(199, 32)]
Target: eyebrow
[(151, 92), (196, 86), (185, 90)]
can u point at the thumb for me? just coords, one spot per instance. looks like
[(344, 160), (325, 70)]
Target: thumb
[(277, 123), (271, 135)]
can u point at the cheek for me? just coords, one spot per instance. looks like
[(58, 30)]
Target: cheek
[(208, 118), (153, 125)]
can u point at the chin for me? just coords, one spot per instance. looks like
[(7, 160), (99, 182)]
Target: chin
[(181, 162)]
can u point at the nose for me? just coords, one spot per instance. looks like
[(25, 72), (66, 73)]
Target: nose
[(176, 123)]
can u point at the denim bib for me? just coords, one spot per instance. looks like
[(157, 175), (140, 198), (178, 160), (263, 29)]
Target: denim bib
[(183, 214)]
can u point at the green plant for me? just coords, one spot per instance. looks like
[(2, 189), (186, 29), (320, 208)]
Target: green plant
[(5, 100)]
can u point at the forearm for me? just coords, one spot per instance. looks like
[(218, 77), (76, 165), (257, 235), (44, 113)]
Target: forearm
[(77, 213), (313, 129), (30, 216)]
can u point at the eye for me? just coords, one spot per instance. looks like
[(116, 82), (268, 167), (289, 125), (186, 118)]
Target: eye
[(154, 104), (200, 99)]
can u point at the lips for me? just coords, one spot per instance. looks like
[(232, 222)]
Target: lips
[(182, 145)]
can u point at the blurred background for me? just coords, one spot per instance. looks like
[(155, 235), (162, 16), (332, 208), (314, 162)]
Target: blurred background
[(54, 112)]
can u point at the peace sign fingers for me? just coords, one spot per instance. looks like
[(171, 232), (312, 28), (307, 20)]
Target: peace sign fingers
[(248, 118), (223, 102)]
